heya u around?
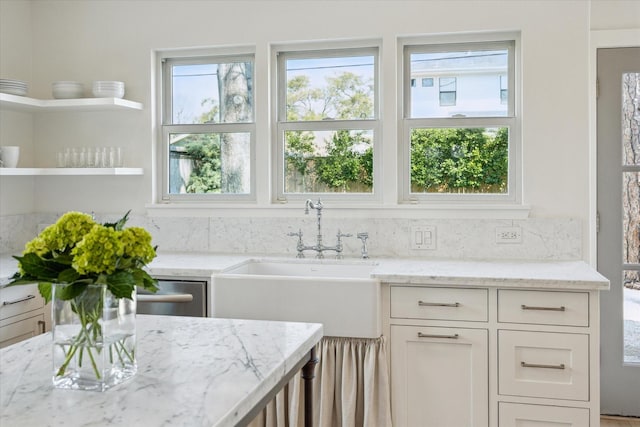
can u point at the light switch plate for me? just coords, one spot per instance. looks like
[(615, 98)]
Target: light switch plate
[(422, 237)]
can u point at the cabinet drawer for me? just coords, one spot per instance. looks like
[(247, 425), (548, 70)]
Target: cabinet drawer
[(412, 302), (543, 364), (543, 307), (19, 299), (519, 414), (19, 331)]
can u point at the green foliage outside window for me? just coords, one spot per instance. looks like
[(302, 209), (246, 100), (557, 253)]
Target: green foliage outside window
[(203, 151), (459, 160)]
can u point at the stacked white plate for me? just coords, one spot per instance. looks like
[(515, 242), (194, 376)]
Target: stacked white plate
[(108, 89), (67, 90), (13, 87)]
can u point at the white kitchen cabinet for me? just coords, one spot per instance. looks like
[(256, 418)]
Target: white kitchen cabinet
[(439, 374), (521, 415), (493, 355), (21, 330), (548, 358), (543, 364), (22, 314)]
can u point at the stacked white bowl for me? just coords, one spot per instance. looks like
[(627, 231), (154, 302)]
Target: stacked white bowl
[(67, 89), (108, 89), (13, 87)]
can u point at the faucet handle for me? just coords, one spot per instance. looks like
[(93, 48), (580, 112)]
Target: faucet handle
[(364, 251), (341, 234), (298, 234)]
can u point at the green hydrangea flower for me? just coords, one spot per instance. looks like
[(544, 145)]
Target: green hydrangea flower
[(136, 243), (98, 252), (63, 235)]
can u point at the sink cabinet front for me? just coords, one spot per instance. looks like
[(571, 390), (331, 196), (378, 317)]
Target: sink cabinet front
[(497, 356)]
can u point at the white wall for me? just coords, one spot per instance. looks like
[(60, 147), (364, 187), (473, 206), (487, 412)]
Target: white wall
[(16, 194), (114, 40)]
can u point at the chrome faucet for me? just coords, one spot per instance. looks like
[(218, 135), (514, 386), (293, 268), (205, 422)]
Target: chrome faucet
[(364, 236), (319, 247)]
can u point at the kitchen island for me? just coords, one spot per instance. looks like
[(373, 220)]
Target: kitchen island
[(191, 372)]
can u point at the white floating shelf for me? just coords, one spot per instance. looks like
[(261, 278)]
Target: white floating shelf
[(23, 103), (70, 171)]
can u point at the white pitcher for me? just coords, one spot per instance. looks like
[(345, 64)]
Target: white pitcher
[(9, 155)]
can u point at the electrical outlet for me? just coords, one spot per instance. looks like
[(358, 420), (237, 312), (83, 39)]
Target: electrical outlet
[(423, 237), (508, 234)]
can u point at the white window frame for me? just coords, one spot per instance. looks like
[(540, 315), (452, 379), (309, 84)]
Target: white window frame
[(512, 120), (164, 84), (314, 50)]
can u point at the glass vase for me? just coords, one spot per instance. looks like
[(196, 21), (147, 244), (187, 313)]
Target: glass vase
[(94, 339)]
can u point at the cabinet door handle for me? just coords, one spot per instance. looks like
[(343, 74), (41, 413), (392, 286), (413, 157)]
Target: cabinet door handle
[(531, 307), (27, 298), (536, 365), (42, 324), (450, 337), (438, 304)]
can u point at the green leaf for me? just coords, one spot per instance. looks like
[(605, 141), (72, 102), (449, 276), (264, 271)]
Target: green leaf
[(121, 284), (145, 281), (119, 225), (43, 269), (70, 291), (45, 291), (68, 276)]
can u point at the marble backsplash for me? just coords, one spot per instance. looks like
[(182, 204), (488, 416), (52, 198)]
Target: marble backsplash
[(542, 238)]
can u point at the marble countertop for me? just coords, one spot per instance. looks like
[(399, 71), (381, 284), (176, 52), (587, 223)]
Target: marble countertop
[(191, 372), (539, 274)]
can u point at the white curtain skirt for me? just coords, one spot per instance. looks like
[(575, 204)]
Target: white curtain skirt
[(350, 388)]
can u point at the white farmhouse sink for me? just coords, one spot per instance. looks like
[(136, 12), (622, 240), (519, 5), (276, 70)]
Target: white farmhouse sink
[(339, 294)]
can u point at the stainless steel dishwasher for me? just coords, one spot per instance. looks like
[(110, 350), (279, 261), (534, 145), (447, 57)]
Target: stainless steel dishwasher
[(176, 297)]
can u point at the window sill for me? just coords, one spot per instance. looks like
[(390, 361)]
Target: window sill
[(361, 210)]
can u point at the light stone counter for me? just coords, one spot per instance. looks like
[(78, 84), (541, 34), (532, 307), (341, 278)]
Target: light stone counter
[(191, 372), (516, 274), (538, 274)]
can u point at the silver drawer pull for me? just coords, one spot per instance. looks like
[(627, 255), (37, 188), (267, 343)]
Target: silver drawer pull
[(535, 365), (166, 298), (451, 337), (27, 298), (438, 304), (531, 307)]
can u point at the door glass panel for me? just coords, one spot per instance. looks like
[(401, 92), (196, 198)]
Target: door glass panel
[(631, 309), (631, 217), (631, 119), (631, 214)]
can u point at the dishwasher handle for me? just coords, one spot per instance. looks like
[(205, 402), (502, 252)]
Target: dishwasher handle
[(169, 298)]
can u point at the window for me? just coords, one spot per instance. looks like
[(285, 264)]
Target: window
[(504, 90), (460, 143), (327, 122), (447, 91), (207, 127), (427, 82)]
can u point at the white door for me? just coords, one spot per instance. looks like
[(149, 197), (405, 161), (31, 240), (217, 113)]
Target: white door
[(618, 123)]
